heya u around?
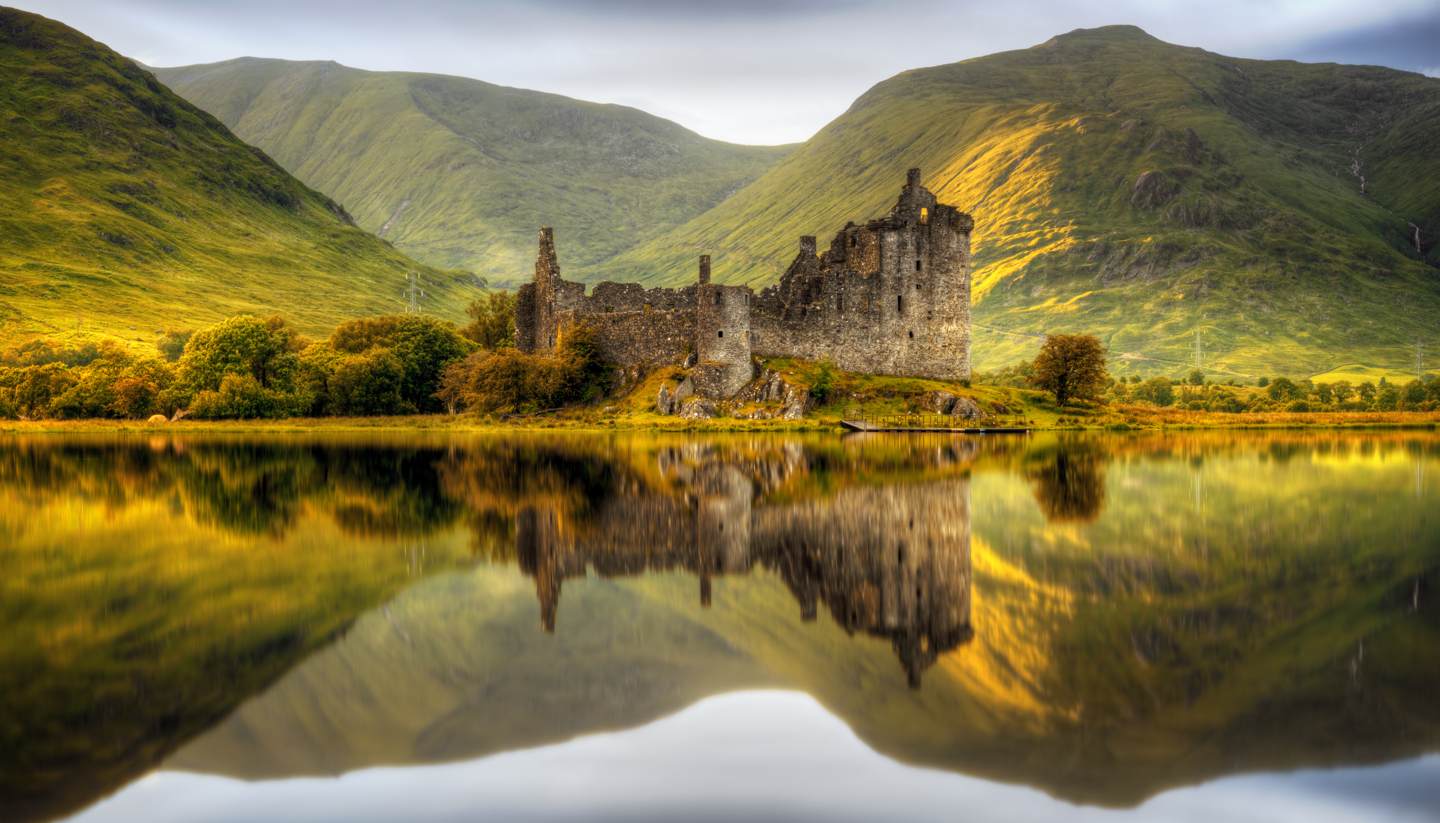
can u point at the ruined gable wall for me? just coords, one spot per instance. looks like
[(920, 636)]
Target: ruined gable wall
[(867, 307)]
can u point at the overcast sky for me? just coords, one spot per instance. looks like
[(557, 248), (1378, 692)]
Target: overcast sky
[(750, 71)]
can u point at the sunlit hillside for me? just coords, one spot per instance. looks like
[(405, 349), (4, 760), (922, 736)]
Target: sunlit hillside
[(124, 210), (461, 173), (1137, 190)]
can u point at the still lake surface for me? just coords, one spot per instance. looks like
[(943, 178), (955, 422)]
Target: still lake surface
[(1200, 626)]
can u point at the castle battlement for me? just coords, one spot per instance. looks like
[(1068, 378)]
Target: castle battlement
[(891, 296)]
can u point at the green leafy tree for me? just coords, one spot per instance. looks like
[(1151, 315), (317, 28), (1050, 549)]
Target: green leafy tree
[(368, 384), (1413, 394), (172, 343), (1071, 366), (422, 345), (1387, 398), (1283, 389), (263, 350), (1196, 378), (1156, 390), (492, 320)]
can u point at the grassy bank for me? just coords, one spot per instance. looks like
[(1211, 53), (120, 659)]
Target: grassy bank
[(1037, 416)]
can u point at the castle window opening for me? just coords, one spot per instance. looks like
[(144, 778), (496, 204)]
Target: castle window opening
[(717, 297), (899, 303), (853, 241), (924, 215), (912, 334), (720, 333), (917, 267)]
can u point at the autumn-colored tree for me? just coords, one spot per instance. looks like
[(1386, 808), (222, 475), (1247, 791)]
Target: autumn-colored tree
[(1071, 366)]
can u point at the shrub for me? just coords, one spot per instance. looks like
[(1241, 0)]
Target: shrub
[(240, 396), (1156, 390), (508, 380), (823, 385)]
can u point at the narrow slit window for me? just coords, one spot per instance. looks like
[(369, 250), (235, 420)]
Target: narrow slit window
[(924, 215), (720, 333), (912, 334), (917, 264), (899, 303)]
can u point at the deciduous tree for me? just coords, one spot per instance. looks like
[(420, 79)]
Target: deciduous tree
[(1071, 366)]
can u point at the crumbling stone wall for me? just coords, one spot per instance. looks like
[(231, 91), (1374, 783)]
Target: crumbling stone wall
[(637, 338), (889, 297)]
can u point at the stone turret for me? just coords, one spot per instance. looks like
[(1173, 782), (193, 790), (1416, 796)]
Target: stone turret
[(722, 337)]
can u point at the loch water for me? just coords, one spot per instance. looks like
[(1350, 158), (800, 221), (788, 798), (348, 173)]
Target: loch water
[(1191, 626)]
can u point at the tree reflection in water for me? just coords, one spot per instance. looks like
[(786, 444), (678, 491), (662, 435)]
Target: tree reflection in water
[(150, 586)]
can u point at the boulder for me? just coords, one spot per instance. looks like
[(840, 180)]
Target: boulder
[(939, 402), (698, 408), (966, 408), (772, 388), (943, 402), (157, 420), (668, 400)]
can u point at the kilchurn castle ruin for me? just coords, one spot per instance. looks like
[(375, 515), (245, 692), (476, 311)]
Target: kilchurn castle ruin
[(889, 297)]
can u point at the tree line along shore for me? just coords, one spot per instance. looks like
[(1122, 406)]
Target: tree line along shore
[(248, 368)]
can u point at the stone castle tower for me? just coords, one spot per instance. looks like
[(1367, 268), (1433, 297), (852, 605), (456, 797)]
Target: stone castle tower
[(891, 296)]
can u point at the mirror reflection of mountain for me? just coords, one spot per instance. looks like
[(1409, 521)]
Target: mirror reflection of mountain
[(1147, 611)]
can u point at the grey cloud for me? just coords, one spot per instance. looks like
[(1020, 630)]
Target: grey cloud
[(751, 71)]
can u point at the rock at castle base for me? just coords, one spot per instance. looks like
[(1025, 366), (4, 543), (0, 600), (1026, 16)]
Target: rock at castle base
[(670, 398), (772, 387), (943, 402), (698, 408)]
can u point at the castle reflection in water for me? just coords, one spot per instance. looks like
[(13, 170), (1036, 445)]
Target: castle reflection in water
[(891, 561)]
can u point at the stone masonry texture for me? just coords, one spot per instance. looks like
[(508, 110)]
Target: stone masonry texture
[(891, 296)]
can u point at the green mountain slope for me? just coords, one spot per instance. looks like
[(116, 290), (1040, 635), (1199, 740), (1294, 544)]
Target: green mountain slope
[(124, 209), (460, 173), (1134, 189)]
